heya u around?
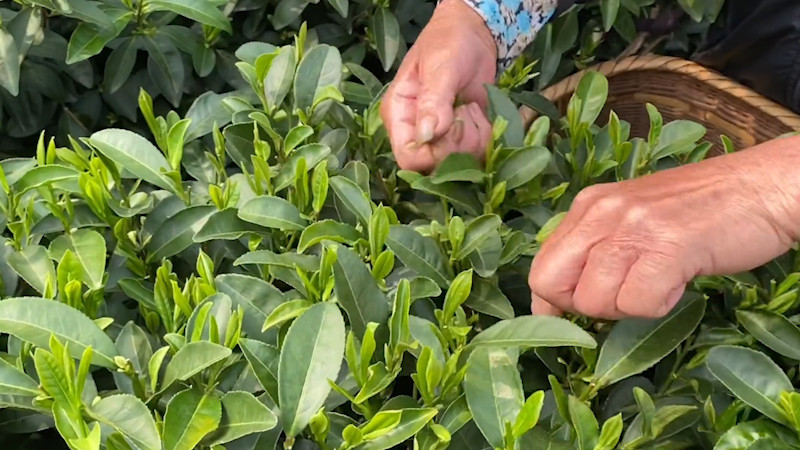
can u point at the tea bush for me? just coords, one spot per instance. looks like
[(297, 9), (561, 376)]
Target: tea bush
[(247, 269), (72, 67)]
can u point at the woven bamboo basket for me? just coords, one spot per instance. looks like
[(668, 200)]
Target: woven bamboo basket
[(681, 89)]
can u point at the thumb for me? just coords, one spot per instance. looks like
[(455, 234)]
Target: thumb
[(439, 84)]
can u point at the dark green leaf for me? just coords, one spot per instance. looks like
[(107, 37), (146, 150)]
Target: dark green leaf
[(522, 166), (327, 230), (311, 355), (773, 330), (165, 67), (486, 298), (357, 291), (752, 377), (494, 391), (634, 345), (177, 233), (203, 12), (191, 415), (387, 36), (420, 254), (533, 331), (320, 68)]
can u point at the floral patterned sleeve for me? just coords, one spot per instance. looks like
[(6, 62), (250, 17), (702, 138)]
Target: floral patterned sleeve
[(513, 24)]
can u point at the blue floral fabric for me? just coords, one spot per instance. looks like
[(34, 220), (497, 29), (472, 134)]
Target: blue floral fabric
[(513, 24)]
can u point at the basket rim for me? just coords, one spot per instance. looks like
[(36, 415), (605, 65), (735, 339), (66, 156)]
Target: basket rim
[(650, 62)]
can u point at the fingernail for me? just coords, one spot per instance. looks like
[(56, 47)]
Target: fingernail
[(425, 130), (458, 131)]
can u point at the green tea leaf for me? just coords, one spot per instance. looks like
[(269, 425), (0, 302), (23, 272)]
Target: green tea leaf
[(592, 92), (529, 414), (634, 345), (288, 260), (501, 106), (458, 167), (352, 197), (477, 232), (756, 435), (486, 298), (89, 247), (585, 424), (358, 292), (192, 359), (313, 154), (494, 391), (410, 422), (677, 137), (287, 11), (387, 36), (242, 414), (327, 230), (16, 382), (272, 212), (129, 416), (44, 175), (609, 10), (9, 63), (226, 225), (34, 266), (120, 63), (191, 415), (258, 299), (203, 12), (522, 165), (311, 355), (285, 312), (752, 377), (773, 330), (165, 67), (321, 67), (420, 254), (263, 360), (177, 233), (135, 154), (533, 331), (34, 319), (279, 77), (461, 196)]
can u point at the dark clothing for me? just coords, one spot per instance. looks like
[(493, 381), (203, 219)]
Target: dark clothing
[(757, 43)]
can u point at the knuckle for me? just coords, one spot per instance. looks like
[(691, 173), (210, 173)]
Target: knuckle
[(610, 203), (544, 289), (589, 196), (637, 215)]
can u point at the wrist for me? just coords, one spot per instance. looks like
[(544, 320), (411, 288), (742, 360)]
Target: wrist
[(512, 24), (771, 174), (466, 15)]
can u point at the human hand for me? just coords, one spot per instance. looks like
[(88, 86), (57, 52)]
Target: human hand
[(454, 56), (628, 249)]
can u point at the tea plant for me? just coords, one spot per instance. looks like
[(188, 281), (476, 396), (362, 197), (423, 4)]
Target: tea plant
[(260, 275), (73, 67)]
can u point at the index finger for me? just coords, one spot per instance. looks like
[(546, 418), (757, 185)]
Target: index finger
[(399, 113)]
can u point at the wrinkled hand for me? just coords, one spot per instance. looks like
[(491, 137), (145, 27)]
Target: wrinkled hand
[(629, 249), (453, 57)]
